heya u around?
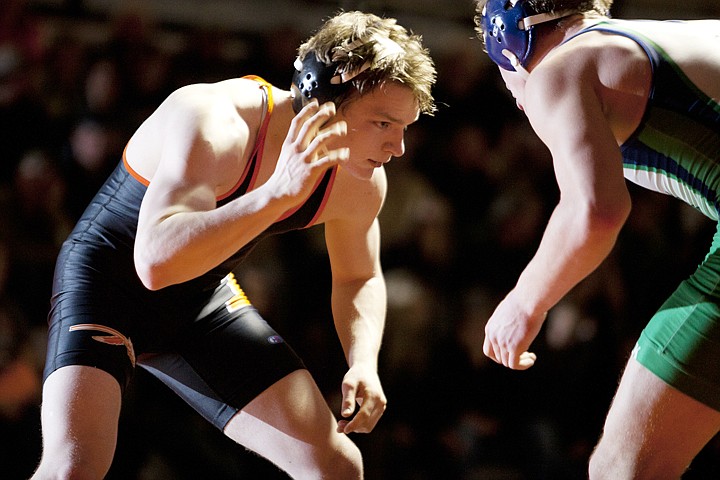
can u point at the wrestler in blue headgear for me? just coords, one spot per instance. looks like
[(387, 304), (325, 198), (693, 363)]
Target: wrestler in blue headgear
[(507, 27)]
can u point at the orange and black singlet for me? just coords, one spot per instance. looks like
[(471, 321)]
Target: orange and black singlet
[(230, 353)]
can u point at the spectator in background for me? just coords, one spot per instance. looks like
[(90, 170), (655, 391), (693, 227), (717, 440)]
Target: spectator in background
[(20, 379), (36, 223), (23, 116)]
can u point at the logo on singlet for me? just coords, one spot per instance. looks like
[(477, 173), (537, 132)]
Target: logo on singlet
[(239, 299), (113, 338)]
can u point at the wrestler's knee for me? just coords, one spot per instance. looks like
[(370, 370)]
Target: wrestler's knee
[(70, 468), (344, 461), (612, 461)]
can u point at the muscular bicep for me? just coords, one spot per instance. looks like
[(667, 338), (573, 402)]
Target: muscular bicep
[(201, 148), (175, 216), (353, 249), (183, 182), (566, 110), (352, 230), (171, 209)]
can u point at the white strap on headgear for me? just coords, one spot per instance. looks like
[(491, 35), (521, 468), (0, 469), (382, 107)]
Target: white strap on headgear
[(528, 22), (345, 76), (390, 47)]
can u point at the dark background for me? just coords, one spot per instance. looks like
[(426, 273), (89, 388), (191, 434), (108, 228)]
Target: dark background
[(465, 211)]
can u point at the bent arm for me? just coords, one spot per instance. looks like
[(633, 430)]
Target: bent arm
[(594, 200), (181, 234), (567, 114)]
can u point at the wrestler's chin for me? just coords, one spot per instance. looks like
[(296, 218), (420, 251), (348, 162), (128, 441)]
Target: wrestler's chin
[(364, 172)]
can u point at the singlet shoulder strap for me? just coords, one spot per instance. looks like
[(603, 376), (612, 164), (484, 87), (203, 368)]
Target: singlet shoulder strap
[(249, 175), (130, 170), (623, 29), (268, 88)]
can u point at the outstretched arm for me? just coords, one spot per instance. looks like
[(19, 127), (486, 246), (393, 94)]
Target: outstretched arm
[(359, 304), (566, 112)]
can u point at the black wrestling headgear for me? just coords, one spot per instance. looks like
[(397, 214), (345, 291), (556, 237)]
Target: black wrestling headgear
[(315, 79)]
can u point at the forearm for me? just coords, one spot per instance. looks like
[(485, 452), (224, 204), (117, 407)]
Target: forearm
[(359, 309), (574, 244)]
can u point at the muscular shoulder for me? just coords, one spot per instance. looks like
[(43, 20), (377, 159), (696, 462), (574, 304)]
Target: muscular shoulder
[(220, 113), (210, 124), (608, 74), (592, 59)]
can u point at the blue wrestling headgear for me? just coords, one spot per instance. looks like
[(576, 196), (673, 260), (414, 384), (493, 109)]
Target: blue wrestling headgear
[(507, 27)]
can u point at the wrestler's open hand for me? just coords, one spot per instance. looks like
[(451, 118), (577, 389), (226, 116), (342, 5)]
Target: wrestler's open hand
[(306, 151), (361, 390), (509, 333)]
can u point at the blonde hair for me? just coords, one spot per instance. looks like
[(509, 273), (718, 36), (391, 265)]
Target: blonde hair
[(373, 51)]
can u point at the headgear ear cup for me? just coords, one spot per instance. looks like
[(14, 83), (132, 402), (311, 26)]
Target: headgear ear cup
[(508, 25), (313, 79)]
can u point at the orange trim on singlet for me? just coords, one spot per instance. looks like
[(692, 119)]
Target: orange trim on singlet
[(259, 144), (258, 150), (130, 170), (326, 197)]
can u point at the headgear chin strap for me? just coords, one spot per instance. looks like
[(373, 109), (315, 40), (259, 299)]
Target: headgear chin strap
[(507, 27)]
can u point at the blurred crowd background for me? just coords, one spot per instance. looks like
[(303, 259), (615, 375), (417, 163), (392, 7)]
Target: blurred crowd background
[(466, 208)]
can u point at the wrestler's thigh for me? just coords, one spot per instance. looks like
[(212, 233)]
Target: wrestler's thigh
[(238, 355), (651, 429), (293, 406), (80, 411), (291, 425)]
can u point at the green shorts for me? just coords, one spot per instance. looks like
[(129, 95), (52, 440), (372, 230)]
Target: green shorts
[(681, 343)]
